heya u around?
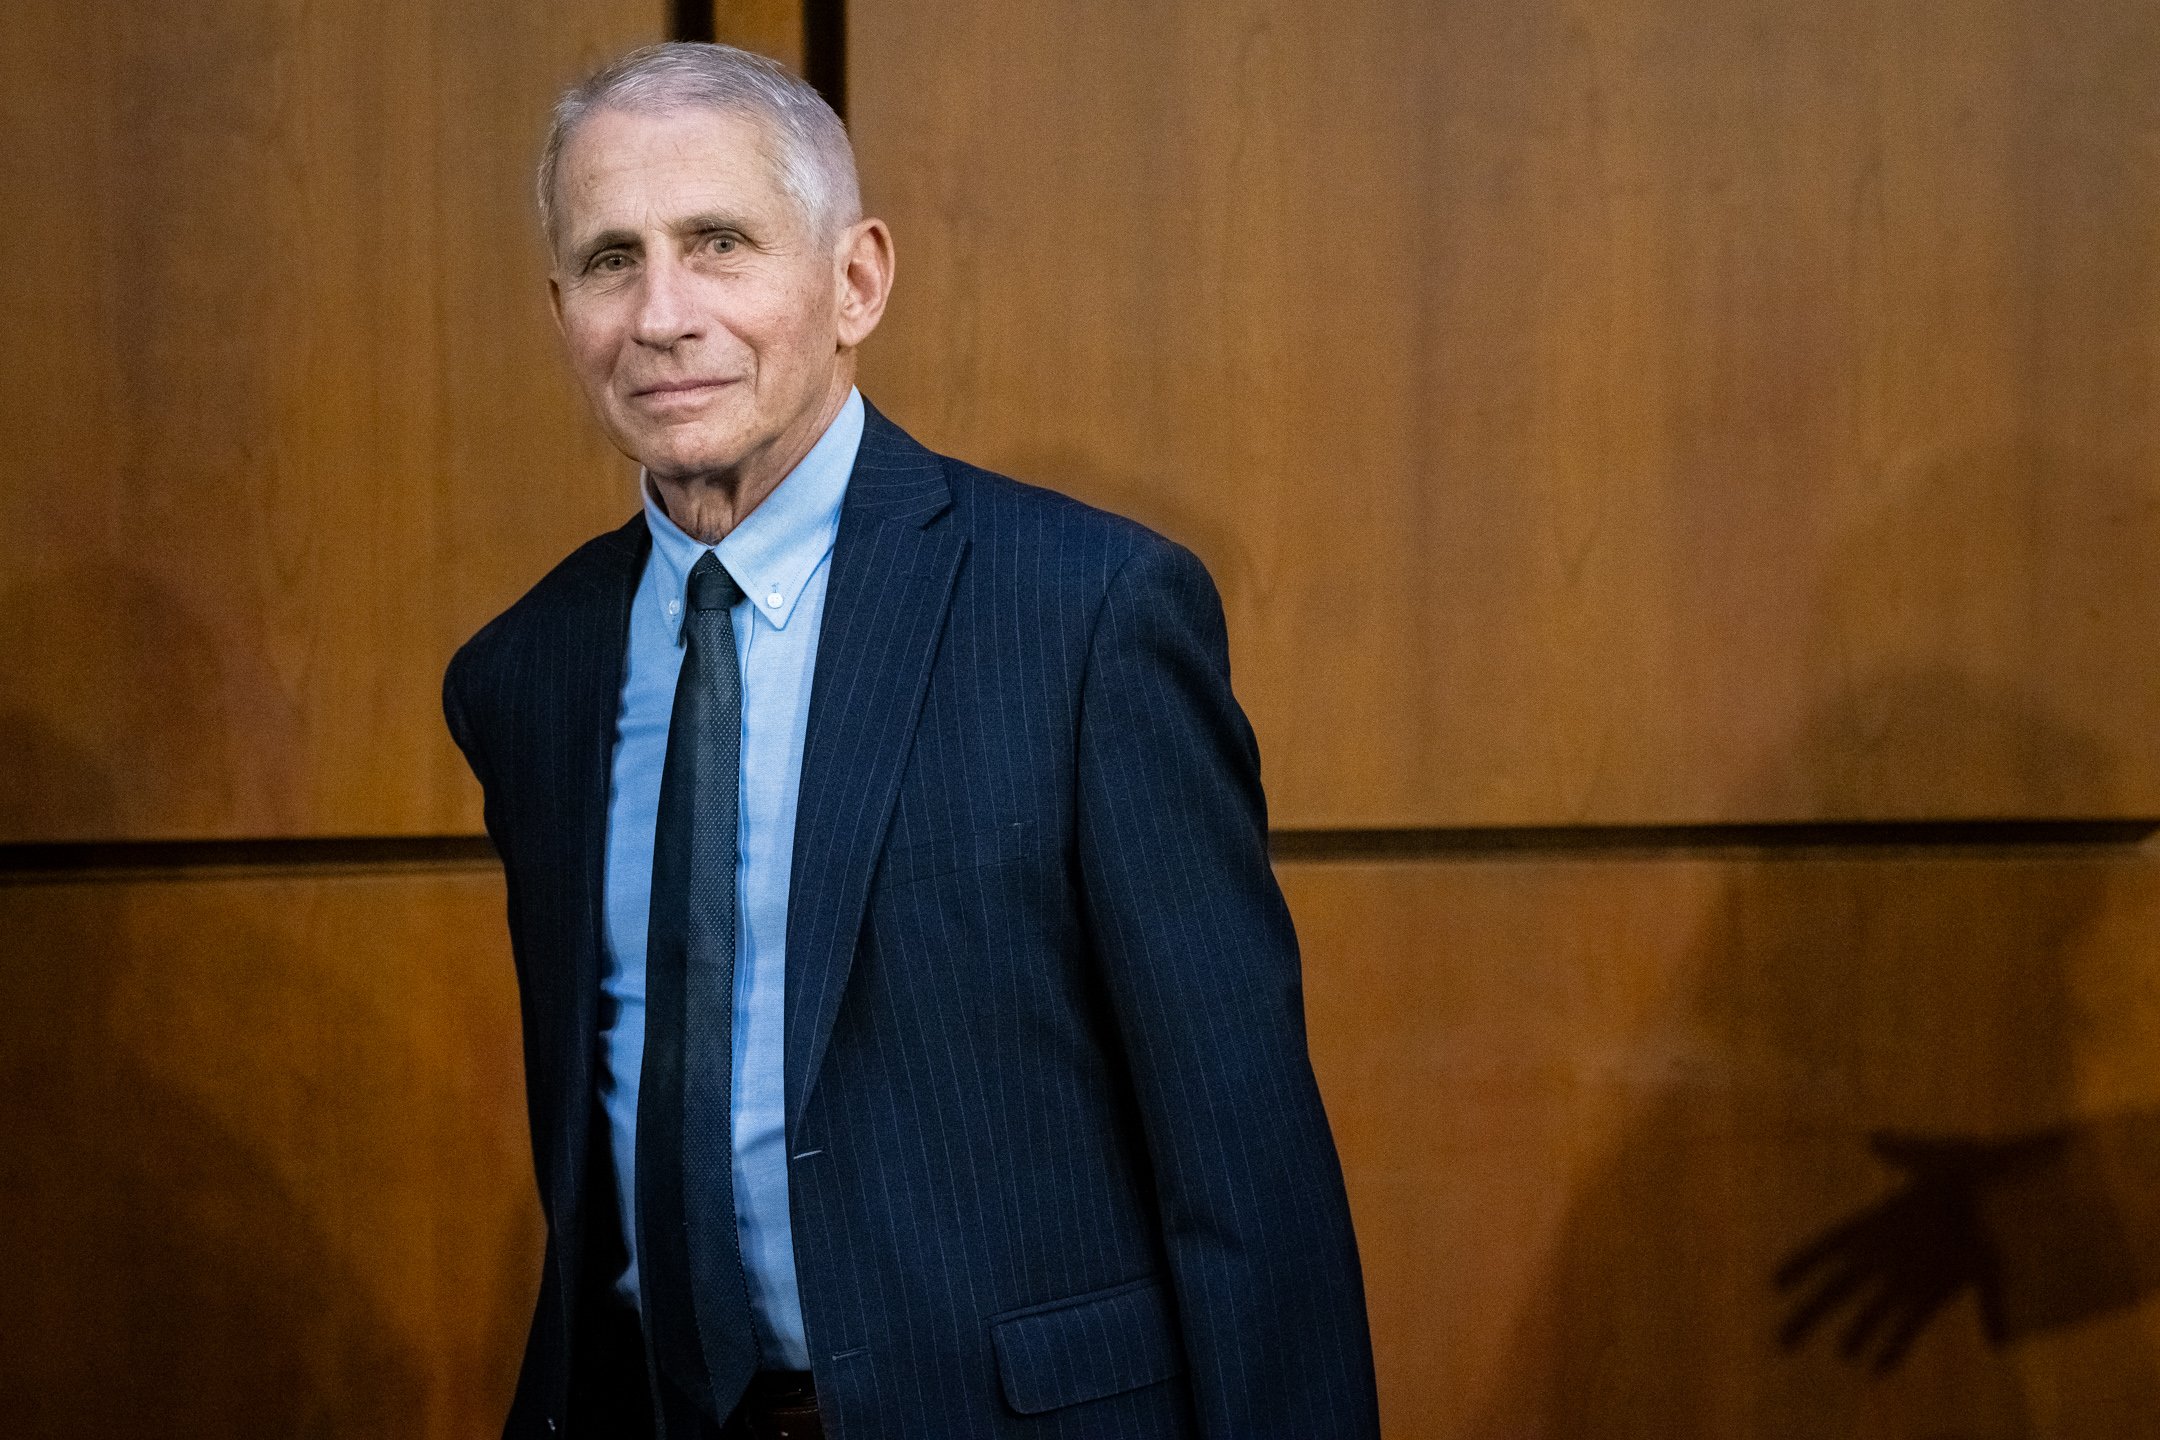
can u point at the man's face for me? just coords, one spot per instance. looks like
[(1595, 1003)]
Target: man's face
[(702, 314)]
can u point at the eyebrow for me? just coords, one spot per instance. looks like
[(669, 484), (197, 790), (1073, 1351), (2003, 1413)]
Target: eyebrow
[(706, 223)]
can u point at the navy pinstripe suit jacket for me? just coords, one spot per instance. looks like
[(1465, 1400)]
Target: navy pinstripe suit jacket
[(1058, 1164)]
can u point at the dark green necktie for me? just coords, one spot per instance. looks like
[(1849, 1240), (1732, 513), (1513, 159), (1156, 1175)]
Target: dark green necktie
[(690, 1272)]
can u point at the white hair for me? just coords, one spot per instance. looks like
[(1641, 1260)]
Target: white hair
[(809, 148)]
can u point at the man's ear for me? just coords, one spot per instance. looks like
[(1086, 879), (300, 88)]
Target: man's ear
[(555, 301), (865, 260)]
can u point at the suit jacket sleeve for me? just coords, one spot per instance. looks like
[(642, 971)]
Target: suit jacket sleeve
[(457, 714), (1202, 970), (461, 731)]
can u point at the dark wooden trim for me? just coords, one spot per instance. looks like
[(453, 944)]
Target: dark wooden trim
[(1865, 835), (691, 20), (825, 51), (129, 859)]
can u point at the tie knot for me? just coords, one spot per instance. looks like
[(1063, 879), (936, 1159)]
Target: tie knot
[(711, 587)]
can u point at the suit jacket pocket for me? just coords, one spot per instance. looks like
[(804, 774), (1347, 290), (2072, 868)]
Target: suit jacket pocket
[(1087, 1347), (948, 853)]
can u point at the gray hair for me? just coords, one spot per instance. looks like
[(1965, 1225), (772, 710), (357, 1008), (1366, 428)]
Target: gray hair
[(809, 147)]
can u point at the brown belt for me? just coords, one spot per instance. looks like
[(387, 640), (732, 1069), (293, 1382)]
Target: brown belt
[(779, 1405)]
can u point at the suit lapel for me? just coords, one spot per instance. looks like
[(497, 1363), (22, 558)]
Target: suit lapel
[(599, 654), (885, 605), (594, 652)]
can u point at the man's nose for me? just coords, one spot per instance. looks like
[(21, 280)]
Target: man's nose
[(666, 315)]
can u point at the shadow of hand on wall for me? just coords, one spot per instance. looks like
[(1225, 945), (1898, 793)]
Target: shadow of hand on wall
[(2044, 1230), (1897, 1263), (1825, 997)]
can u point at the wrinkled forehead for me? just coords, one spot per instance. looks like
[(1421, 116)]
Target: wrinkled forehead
[(625, 168)]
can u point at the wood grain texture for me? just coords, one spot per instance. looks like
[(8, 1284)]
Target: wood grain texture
[(1575, 401), (280, 416), (770, 27), (270, 1171), (1586, 1107), (267, 1171)]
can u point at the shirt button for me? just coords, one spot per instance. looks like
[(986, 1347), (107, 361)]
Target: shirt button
[(674, 607), (773, 600)]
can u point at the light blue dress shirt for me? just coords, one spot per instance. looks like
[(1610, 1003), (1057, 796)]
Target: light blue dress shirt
[(780, 555)]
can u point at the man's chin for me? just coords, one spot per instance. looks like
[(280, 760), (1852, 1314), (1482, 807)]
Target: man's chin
[(671, 454)]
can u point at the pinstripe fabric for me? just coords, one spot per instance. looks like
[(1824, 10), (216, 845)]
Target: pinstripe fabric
[(1058, 1164), (1051, 1356)]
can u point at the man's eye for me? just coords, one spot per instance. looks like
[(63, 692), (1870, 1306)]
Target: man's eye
[(609, 262), (721, 244)]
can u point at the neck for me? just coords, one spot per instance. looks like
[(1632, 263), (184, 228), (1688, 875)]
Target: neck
[(707, 504)]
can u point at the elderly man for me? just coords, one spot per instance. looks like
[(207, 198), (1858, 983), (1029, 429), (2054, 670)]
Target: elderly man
[(912, 1024)]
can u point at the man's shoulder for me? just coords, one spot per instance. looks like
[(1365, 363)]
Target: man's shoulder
[(1047, 528), (1028, 521), (598, 571)]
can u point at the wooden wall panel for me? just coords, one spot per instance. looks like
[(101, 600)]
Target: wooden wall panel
[(1577, 402), (770, 27), (280, 418), (266, 1170), (269, 1171), (1587, 1106)]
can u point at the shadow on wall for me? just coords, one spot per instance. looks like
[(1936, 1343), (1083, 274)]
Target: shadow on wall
[(163, 1279), (2044, 1228), (2043, 1231), (1841, 996), (187, 728)]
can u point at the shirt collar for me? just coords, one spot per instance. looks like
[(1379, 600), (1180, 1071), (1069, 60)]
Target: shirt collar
[(777, 548)]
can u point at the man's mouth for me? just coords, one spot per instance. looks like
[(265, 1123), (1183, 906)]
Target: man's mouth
[(676, 387)]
